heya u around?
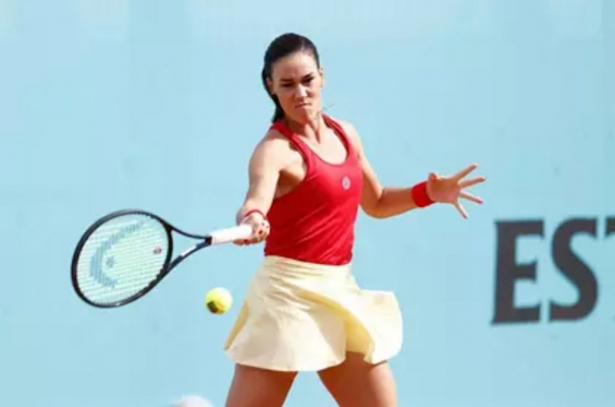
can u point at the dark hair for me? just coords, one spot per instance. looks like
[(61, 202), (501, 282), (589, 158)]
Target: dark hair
[(282, 46)]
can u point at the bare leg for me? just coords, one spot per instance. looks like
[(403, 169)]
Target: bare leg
[(254, 387), (356, 383)]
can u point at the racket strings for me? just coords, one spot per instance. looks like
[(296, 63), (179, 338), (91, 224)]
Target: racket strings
[(121, 258)]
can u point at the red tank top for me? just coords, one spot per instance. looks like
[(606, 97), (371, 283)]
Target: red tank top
[(315, 221)]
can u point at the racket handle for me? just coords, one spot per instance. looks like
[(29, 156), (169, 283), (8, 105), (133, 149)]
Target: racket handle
[(231, 234)]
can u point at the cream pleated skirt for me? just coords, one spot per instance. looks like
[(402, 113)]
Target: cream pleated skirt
[(301, 316)]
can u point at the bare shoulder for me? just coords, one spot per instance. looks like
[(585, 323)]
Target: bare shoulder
[(273, 148), (271, 143), (274, 137), (351, 132)]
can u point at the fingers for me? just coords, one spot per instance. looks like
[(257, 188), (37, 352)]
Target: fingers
[(461, 210), (462, 174), (261, 232), (470, 182), (470, 197), (261, 229)]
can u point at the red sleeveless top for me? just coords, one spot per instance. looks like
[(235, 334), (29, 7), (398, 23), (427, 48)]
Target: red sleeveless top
[(315, 221)]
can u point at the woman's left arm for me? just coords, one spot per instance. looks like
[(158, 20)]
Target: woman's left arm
[(383, 202)]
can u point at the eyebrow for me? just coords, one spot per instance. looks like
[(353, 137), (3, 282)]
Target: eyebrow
[(311, 74)]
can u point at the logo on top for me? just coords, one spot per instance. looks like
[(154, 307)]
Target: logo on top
[(346, 182)]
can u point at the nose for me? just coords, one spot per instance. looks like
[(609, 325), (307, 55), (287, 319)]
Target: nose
[(300, 92)]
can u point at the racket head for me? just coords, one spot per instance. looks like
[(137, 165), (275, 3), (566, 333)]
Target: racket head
[(121, 257)]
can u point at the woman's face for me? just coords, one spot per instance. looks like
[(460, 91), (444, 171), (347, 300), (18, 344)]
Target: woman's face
[(296, 80)]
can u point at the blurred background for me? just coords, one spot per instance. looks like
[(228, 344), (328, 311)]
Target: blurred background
[(109, 104)]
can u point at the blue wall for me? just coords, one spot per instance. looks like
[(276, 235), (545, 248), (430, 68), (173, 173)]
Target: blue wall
[(106, 104)]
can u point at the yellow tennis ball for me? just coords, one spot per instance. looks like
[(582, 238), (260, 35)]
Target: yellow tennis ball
[(218, 300)]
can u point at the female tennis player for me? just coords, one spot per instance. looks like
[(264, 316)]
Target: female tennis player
[(303, 310)]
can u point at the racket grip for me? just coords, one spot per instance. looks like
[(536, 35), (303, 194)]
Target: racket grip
[(231, 234)]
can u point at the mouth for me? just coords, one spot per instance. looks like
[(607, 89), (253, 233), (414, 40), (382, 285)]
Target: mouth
[(301, 105)]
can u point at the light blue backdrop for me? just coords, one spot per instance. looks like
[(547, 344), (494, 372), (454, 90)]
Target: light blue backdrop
[(107, 104)]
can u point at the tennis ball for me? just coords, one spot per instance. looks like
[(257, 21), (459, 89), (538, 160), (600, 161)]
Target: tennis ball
[(218, 300)]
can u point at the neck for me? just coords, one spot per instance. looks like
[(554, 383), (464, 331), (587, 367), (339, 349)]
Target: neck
[(312, 127)]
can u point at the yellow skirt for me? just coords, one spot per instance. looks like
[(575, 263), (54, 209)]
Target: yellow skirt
[(300, 316)]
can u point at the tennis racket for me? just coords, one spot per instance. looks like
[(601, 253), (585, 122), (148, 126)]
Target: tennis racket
[(125, 254)]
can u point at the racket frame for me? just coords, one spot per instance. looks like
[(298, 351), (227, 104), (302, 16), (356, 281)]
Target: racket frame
[(168, 265)]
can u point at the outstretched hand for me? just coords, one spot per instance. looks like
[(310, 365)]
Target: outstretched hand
[(448, 189)]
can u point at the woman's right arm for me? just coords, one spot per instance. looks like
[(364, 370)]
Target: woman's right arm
[(264, 169)]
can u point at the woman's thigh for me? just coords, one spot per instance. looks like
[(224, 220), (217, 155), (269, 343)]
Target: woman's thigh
[(254, 387), (356, 383)]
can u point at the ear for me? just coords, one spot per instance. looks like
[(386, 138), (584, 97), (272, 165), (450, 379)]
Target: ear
[(270, 86), (322, 77)]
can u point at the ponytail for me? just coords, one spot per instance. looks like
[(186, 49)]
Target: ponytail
[(279, 112)]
